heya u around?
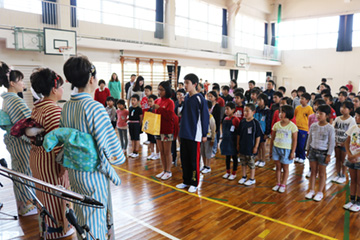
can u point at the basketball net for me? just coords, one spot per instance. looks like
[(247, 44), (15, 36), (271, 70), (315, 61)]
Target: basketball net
[(65, 51)]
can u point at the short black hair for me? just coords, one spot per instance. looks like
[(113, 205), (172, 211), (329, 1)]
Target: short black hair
[(234, 81), (348, 104), (287, 99), (279, 94), (239, 94), (357, 110), (324, 84), (230, 105), (241, 90), (271, 81), (181, 83), (101, 81), (226, 88), (192, 78), (323, 80), (44, 79), (110, 98), (136, 97), (255, 90), (352, 94), (252, 82), (329, 97), (288, 110), (133, 75), (313, 94), (301, 89), (282, 88), (121, 102), (325, 91), (215, 86), (181, 91), (294, 90), (306, 95), (148, 87), (264, 97), (324, 108), (153, 96), (167, 87), (343, 93), (251, 106), (78, 71), (319, 101), (344, 87), (214, 94), (209, 103)]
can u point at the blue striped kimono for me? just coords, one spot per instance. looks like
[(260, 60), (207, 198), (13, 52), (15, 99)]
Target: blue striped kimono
[(89, 116), (19, 149)]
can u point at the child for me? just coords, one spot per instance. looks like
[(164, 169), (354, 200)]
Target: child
[(294, 94), (216, 112), (276, 117), (302, 113), (206, 147), (342, 124), (180, 85), (248, 140), (320, 146), (338, 103), (282, 89), (351, 96), (263, 115), (254, 94), (144, 101), (329, 101), (225, 94), (102, 92), (228, 143), (122, 116), (283, 145), (313, 95), (151, 138), (356, 102), (239, 108), (352, 146), (276, 105), (297, 99), (111, 110), (135, 120), (180, 96)]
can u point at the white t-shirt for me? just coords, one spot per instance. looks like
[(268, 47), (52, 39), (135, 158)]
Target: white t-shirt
[(283, 136), (341, 126), (354, 134)]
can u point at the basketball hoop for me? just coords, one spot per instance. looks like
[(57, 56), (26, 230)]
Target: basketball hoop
[(65, 51)]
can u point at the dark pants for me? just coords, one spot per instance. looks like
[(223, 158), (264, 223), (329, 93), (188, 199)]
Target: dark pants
[(235, 162), (123, 138), (301, 142), (173, 151), (190, 159)]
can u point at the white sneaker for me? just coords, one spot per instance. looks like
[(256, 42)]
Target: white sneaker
[(308, 175), (282, 189), (178, 149), (257, 163), (310, 194), (206, 170), (348, 205), (146, 142), (301, 161), (130, 155), (182, 186), (335, 179), (150, 156), (166, 176), (262, 164), (250, 182), (242, 180), (160, 174), (239, 160), (296, 160), (226, 175), (232, 177), (156, 156), (341, 180), (192, 189), (274, 169), (276, 188), (135, 155), (355, 207), (318, 197)]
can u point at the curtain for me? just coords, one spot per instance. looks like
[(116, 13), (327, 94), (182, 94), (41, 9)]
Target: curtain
[(171, 70), (49, 12), (73, 17), (273, 37), (224, 40), (344, 43), (159, 18), (234, 74), (266, 42)]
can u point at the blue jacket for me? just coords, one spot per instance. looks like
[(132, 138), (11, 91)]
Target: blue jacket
[(194, 124), (264, 118)]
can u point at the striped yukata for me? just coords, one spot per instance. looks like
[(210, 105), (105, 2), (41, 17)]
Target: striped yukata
[(89, 116), (19, 149), (44, 167)]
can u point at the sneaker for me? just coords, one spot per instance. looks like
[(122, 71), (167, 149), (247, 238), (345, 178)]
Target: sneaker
[(335, 179), (308, 175), (348, 205), (262, 164), (146, 142), (192, 189), (226, 175), (160, 174), (276, 188), (282, 188), (274, 169), (239, 160), (250, 182), (135, 155), (150, 156), (257, 163), (206, 170), (341, 180), (301, 161), (156, 156), (202, 169), (310, 194), (242, 180), (130, 154), (296, 160), (178, 149), (212, 155), (166, 176), (318, 197), (182, 186), (232, 177), (355, 207)]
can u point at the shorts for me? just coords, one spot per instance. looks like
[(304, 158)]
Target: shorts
[(281, 154), (165, 137), (134, 130), (341, 148), (206, 149), (151, 138), (355, 166), (318, 156), (247, 160)]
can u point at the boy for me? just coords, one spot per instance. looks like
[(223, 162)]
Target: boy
[(253, 95), (144, 101), (181, 85), (151, 138), (135, 120), (352, 95), (296, 101), (341, 99), (206, 147), (313, 96), (282, 89), (195, 113), (248, 139), (220, 100), (180, 95), (239, 107), (276, 105), (329, 101), (263, 115), (111, 110), (302, 114), (251, 84), (225, 94), (270, 92)]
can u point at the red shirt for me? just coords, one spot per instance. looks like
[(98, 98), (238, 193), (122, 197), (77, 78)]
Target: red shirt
[(102, 96), (166, 110), (333, 113), (221, 102), (276, 119), (239, 112), (235, 121), (350, 87), (144, 104), (206, 86)]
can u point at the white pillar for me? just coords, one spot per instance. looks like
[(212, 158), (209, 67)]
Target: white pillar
[(169, 22), (64, 14)]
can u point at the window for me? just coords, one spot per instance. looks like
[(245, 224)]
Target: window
[(356, 30), (139, 14), (31, 6), (249, 32), (309, 33), (204, 25)]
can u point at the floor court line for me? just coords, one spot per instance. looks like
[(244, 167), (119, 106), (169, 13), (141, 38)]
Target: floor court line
[(230, 206)]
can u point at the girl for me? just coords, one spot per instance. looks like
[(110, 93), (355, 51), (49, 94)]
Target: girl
[(341, 125), (137, 88), (216, 112), (233, 85), (115, 87), (43, 165), (152, 146), (81, 112), (352, 145), (320, 145), (19, 148), (228, 143), (206, 147), (169, 124), (102, 93), (122, 117)]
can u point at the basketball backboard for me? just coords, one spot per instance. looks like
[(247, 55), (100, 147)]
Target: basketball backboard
[(57, 38), (242, 60)]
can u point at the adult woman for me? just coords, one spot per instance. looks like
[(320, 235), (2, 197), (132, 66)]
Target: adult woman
[(102, 93), (137, 88), (165, 107), (19, 148), (81, 112), (115, 87), (233, 85), (43, 165)]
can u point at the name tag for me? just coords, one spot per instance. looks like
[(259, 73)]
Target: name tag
[(249, 130), (232, 129)]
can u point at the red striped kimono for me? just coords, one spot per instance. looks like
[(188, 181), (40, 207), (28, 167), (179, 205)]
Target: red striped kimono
[(44, 167)]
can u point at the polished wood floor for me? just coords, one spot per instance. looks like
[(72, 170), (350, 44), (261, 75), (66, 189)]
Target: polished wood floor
[(147, 208)]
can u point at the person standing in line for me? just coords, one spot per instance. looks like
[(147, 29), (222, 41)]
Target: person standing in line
[(137, 89), (115, 87), (129, 84)]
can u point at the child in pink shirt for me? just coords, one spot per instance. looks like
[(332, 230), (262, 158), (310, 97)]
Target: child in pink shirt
[(122, 117)]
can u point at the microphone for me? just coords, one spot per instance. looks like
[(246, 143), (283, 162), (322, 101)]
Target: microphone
[(70, 216), (84, 198), (3, 163)]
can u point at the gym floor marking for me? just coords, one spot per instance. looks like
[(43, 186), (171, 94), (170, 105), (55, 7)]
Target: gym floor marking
[(230, 206)]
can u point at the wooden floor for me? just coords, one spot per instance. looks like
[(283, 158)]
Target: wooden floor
[(146, 208)]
